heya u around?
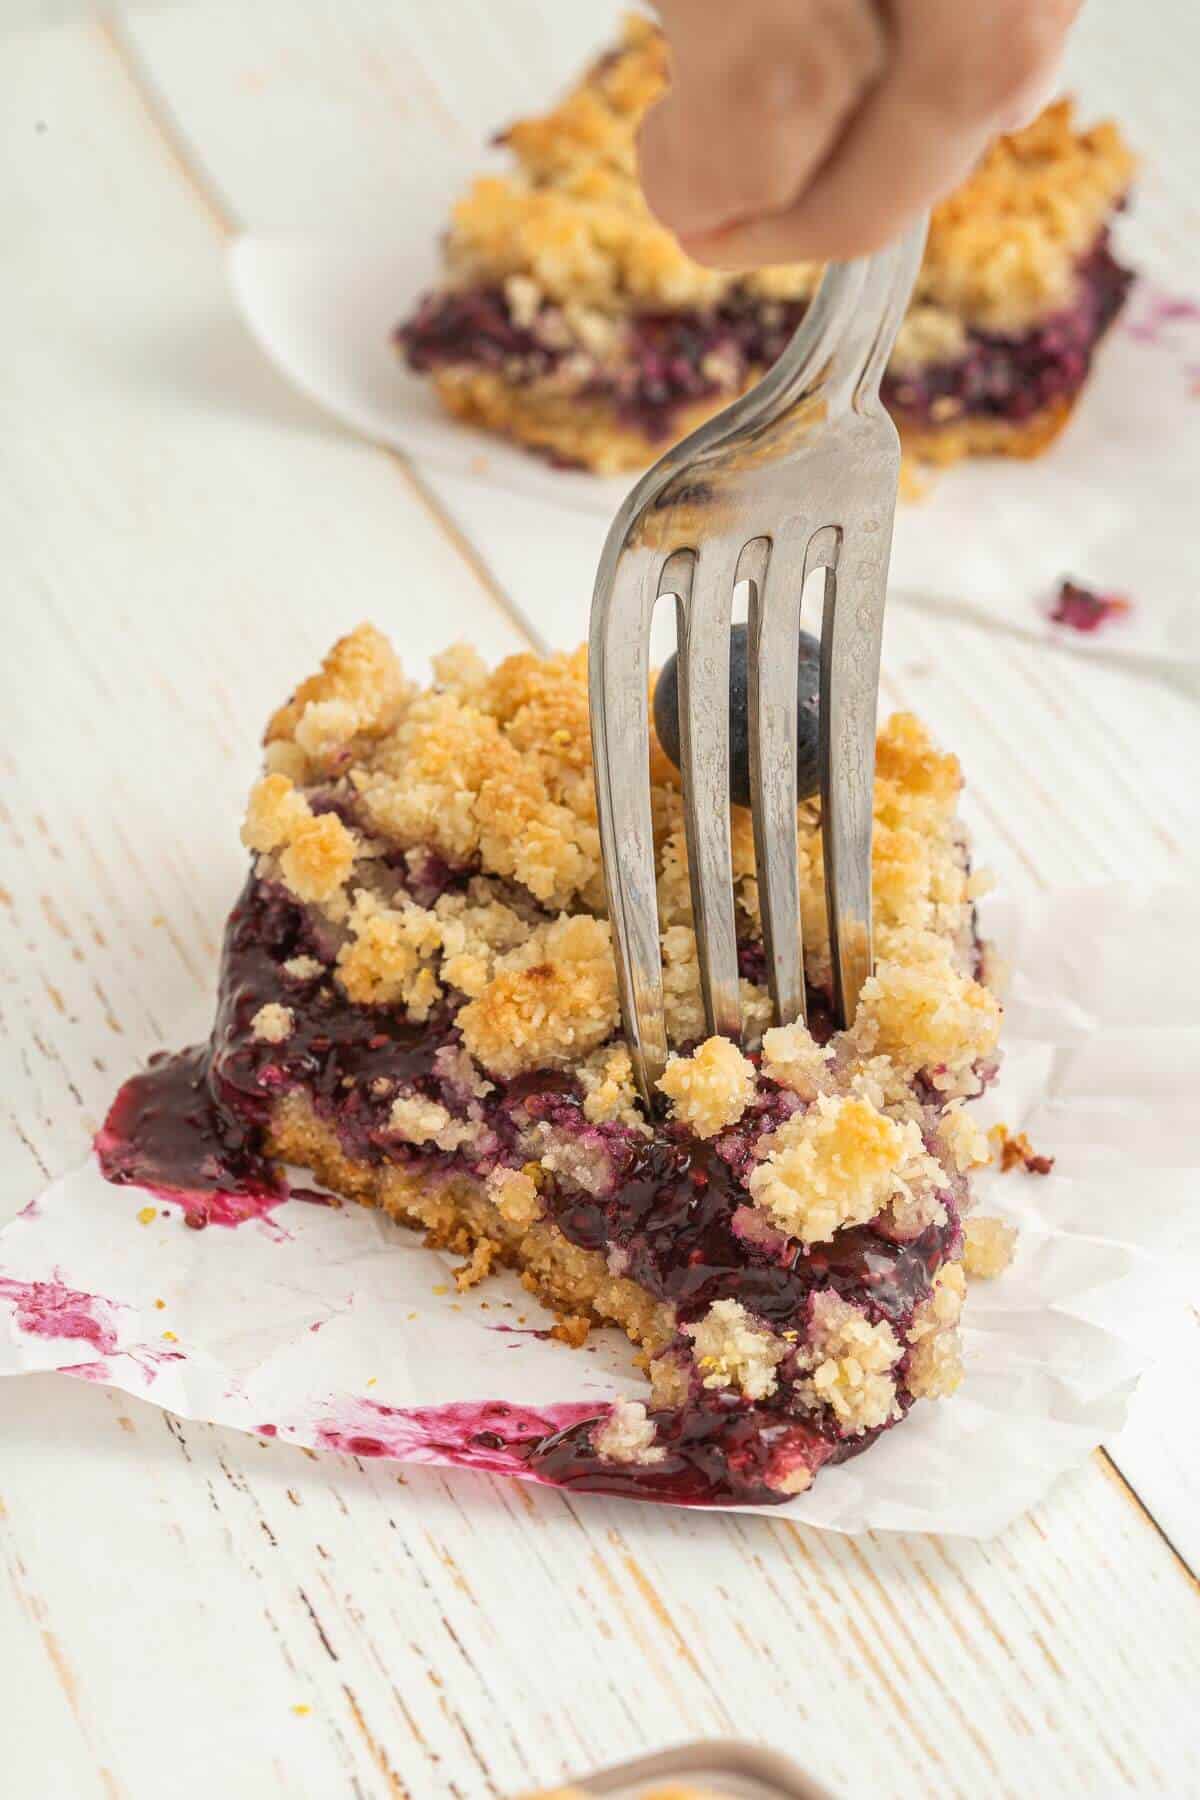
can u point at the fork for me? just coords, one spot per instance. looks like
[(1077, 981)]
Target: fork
[(799, 474)]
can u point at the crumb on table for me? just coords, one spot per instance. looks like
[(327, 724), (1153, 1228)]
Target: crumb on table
[(1086, 609), (1013, 1150)]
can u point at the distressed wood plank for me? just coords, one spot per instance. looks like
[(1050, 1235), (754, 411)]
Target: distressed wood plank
[(472, 1636)]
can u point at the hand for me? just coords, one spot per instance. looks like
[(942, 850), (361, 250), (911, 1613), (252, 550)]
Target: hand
[(797, 130)]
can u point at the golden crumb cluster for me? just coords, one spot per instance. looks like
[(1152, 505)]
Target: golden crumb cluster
[(935, 1358), (569, 225), (842, 1161), (710, 1089), (490, 772), (852, 1363), (731, 1351)]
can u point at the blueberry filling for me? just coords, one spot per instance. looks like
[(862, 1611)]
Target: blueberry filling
[(670, 360), (666, 1215)]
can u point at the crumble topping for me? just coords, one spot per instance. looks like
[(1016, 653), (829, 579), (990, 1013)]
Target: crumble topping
[(272, 1024), (851, 1363), (988, 1246), (551, 1000), (316, 852), (419, 1120), (710, 1089), (388, 960), (359, 689), (927, 334), (610, 1091), (682, 1000), (569, 228), (514, 1192), (840, 1162), (303, 968), (627, 1435), (935, 1360), (731, 1351), (792, 1057), (927, 1015), (492, 771), (963, 1139)]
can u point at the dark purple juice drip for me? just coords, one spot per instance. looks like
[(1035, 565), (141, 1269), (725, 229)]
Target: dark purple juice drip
[(671, 359), (717, 1450), (164, 1132), (192, 1123)]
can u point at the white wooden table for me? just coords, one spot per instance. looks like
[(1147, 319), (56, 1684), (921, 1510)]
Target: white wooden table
[(189, 1612)]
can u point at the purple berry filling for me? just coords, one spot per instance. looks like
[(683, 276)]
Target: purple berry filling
[(672, 360), (669, 1216)]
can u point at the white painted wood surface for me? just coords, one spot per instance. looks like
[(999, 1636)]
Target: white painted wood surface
[(190, 1612)]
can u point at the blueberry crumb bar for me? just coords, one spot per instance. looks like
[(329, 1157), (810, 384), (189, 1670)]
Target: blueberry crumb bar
[(572, 322), (419, 1004)]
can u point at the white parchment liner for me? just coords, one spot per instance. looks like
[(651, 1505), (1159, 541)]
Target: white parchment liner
[(312, 1318)]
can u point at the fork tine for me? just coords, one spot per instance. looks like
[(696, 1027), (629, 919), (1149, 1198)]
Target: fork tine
[(774, 705), (618, 680), (851, 641), (704, 614)]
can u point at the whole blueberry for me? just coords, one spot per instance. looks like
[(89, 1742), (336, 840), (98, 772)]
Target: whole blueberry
[(666, 715)]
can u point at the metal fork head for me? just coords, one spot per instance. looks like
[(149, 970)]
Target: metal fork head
[(799, 474)]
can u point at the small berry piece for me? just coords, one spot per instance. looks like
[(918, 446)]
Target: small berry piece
[(1084, 609)]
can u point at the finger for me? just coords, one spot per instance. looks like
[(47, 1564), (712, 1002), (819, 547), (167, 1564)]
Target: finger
[(916, 136), (751, 113)]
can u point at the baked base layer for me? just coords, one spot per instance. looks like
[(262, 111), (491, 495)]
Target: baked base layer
[(591, 435), (572, 433), (454, 1212)]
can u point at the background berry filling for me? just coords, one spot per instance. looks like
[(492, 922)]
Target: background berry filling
[(670, 360)]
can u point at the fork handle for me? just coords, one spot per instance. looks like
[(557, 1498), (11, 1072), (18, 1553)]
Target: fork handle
[(846, 335)]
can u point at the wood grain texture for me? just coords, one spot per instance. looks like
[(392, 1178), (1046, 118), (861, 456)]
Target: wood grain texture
[(194, 1612)]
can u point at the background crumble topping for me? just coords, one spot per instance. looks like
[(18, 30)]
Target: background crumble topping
[(568, 227)]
